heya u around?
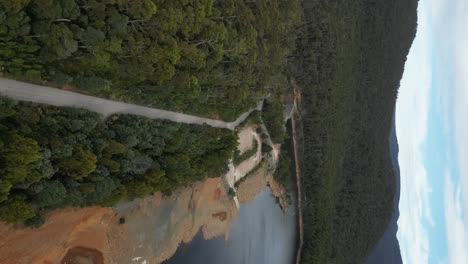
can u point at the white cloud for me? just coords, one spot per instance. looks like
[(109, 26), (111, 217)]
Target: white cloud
[(412, 124), (460, 97), (450, 26), (456, 228), (442, 42)]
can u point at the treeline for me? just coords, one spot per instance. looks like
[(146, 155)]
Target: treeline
[(273, 118), (209, 57), (349, 61), (56, 157), (285, 169)]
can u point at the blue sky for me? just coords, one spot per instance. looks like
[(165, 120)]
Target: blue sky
[(432, 130)]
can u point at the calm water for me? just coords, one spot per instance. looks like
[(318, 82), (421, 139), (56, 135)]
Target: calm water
[(261, 233)]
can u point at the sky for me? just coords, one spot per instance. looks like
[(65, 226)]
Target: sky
[(432, 131)]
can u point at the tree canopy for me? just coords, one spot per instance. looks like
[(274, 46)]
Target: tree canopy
[(208, 57), (348, 63), (54, 157)]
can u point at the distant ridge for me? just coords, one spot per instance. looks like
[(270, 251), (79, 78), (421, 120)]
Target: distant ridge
[(387, 250)]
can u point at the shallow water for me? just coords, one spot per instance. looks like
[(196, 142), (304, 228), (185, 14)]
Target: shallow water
[(261, 233)]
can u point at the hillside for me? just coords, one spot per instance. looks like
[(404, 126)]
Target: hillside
[(387, 250), (348, 63)]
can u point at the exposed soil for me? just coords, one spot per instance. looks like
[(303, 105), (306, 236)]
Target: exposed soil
[(252, 185), (215, 116), (63, 229), (72, 88), (220, 215), (247, 137), (153, 230), (83, 255), (155, 226), (278, 191)]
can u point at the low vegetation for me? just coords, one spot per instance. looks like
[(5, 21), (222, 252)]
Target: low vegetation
[(56, 157)]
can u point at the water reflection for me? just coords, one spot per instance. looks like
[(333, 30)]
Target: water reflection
[(261, 233)]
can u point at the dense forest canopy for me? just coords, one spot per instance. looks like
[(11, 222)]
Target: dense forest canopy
[(349, 62), (56, 157), (209, 57)]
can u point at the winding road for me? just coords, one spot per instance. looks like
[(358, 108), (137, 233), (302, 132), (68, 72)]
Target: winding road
[(45, 95)]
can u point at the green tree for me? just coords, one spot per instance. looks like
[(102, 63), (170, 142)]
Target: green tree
[(14, 6), (8, 107), (157, 181), (94, 84), (15, 210), (91, 36), (114, 147), (118, 194), (5, 187), (117, 23), (57, 40), (35, 221), (41, 169), (79, 165), (273, 116), (46, 9), (51, 195), (141, 9), (17, 156), (70, 9)]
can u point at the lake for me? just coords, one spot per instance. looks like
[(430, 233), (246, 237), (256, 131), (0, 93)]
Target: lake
[(261, 233)]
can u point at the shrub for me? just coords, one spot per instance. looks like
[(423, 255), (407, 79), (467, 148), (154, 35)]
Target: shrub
[(231, 192), (35, 221)]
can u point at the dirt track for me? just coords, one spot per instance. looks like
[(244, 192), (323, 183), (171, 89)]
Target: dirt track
[(45, 95), (297, 101)]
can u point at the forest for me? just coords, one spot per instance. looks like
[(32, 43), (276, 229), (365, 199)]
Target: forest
[(57, 157), (348, 63), (208, 57)]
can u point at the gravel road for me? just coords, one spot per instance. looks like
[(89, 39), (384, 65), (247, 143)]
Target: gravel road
[(45, 95)]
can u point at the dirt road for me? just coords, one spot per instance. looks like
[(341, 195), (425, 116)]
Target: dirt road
[(297, 100), (45, 95)]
